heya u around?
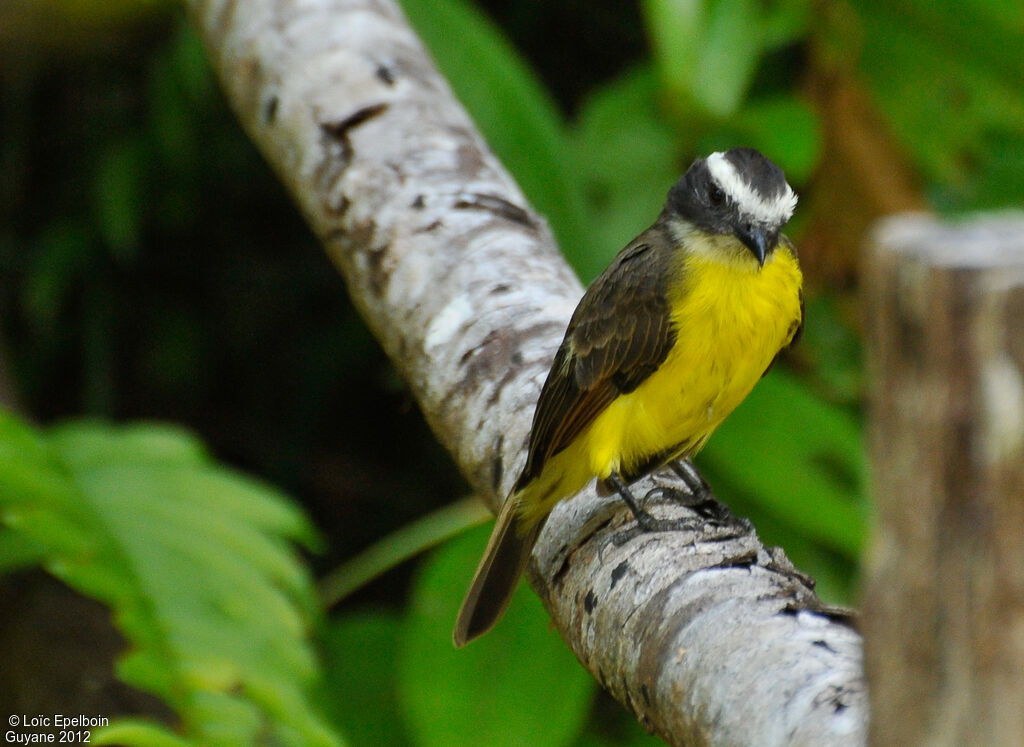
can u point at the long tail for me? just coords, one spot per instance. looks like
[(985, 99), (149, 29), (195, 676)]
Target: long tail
[(497, 575)]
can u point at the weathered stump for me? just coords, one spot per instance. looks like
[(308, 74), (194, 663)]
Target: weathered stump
[(944, 596)]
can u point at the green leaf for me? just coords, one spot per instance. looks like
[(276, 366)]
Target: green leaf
[(513, 111), (401, 545), (17, 551), (118, 196), (835, 351), (988, 32), (707, 51), (138, 733), (60, 254), (999, 176), (785, 22), (731, 50), (143, 443), (629, 159), (517, 685), (786, 128), (190, 67), (360, 682), (196, 563), (948, 78), (173, 126), (676, 28), (800, 459), (159, 444)]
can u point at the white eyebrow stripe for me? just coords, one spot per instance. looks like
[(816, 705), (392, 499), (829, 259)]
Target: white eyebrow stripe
[(772, 212)]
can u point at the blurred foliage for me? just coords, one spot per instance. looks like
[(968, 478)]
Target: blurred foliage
[(195, 563), (950, 83), (153, 268), (538, 699)]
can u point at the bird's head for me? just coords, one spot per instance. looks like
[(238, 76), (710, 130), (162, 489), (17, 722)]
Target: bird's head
[(738, 193)]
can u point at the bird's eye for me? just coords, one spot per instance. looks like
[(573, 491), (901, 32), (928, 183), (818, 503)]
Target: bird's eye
[(715, 195)]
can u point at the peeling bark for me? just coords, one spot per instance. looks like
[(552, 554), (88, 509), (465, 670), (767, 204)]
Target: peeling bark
[(707, 636)]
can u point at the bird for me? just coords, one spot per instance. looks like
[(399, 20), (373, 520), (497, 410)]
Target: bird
[(663, 346)]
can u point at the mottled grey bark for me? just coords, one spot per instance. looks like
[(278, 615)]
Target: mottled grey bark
[(706, 635), (944, 601)]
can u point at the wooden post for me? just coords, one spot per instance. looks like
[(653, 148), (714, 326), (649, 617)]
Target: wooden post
[(944, 595)]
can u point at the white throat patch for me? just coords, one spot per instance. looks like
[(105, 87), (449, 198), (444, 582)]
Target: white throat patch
[(773, 212)]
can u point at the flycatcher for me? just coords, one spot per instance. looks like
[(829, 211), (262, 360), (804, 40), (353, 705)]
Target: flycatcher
[(665, 343)]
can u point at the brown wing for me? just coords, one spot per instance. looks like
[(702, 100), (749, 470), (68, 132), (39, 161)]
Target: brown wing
[(619, 334)]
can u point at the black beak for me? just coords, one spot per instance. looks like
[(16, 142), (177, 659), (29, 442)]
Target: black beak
[(757, 238)]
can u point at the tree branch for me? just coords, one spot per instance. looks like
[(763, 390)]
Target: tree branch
[(706, 635)]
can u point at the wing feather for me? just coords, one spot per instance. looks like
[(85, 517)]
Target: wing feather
[(619, 334)]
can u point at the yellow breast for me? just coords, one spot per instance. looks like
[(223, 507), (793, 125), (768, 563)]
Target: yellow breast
[(731, 318)]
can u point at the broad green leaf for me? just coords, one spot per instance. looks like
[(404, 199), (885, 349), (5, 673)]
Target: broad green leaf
[(707, 50), (214, 601), (787, 130), (513, 111), (517, 685), (143, 443), (158, 444), (799, 458), (360, 679), (732, 47), (676, 28)]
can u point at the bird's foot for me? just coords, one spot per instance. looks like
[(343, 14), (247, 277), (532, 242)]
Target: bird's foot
[(697, 495), (705, 506)]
